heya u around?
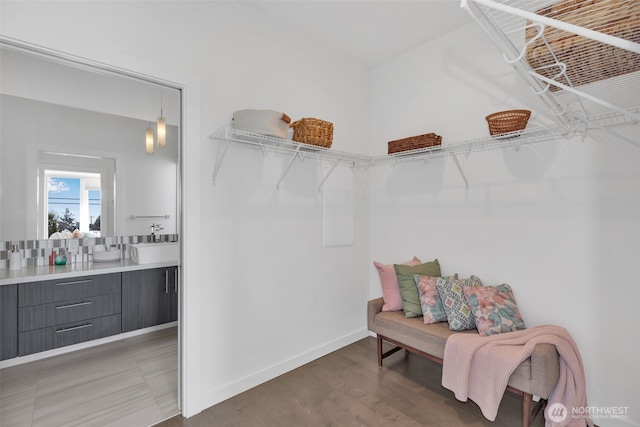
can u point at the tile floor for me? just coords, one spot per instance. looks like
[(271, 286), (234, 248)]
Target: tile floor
[(132, 382)]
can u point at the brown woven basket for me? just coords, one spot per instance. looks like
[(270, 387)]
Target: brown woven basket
[(414, 143), (507, 121), (313, 132)]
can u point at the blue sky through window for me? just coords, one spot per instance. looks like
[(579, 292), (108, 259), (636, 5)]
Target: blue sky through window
[(64, 193)]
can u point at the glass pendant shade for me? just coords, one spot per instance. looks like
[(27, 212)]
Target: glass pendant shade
[(162, 131), (149, 141)]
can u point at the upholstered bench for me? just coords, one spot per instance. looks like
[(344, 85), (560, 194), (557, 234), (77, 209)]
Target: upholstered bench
[(536, 376)]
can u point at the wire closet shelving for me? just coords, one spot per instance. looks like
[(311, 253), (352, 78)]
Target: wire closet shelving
[(580, 57), (296, 150)]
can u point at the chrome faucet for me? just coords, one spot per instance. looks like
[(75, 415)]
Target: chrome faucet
[(155, 228)]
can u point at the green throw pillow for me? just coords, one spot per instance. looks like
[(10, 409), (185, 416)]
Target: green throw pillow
[(409, 290)]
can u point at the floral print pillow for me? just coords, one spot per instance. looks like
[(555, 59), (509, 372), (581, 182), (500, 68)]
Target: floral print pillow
[(494, 308), (430, 301)]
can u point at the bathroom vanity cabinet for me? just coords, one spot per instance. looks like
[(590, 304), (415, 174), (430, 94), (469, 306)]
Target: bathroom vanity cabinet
[(39, 315), (149, 297), (61, 312), (8, 321)]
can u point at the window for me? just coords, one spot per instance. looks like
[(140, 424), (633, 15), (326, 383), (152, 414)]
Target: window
[(76, 191), (73, 201)]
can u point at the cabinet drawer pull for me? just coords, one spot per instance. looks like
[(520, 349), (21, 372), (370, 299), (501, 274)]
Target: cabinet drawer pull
[(175, 280), (166, 281), (59, 307), (73, 328), (77, 282)]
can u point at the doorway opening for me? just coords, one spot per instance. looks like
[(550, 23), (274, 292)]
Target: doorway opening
[(97, 182)]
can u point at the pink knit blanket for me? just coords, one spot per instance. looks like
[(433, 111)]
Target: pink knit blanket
[(479, 368)]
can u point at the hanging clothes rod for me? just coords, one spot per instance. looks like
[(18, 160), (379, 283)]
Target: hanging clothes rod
[(167, 216)]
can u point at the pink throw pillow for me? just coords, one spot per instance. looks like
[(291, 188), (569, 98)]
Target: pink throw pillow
[(389, 281)]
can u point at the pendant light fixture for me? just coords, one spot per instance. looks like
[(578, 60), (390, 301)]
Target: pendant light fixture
[(149, 140), (162, 127)]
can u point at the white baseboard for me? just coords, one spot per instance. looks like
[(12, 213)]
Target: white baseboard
[(219, 394)]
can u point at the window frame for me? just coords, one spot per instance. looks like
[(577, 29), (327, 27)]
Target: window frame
[(88, 181), (77, 164)]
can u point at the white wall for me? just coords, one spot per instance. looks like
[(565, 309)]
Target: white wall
[(270, 296), (276, 295), (558, 221)]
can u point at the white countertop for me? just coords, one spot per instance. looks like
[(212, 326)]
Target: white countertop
[(49, 272)]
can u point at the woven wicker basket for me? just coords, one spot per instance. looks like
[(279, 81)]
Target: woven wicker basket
[(313, 132), (414, 143), (507, 121)]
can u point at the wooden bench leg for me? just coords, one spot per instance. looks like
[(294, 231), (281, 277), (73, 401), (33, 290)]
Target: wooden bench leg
[(382, 355), (542, 403), (527, 401), (529, 413)]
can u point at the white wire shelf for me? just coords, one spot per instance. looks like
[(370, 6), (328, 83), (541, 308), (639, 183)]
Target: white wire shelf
[(612, 120), (570, 53), (296, 150), (506, 140), (502, 141), (513, 139), (607, 121), (270, 143)]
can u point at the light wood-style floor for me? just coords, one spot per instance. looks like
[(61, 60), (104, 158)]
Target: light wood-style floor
[(131, 382), (346, 388)]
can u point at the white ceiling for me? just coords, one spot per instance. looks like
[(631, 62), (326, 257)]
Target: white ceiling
[(368, 31)]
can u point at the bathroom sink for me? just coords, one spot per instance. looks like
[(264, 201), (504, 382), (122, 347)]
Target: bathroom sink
[(149, 253), (110, 255)]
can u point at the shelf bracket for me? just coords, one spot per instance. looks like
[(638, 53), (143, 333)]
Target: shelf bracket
[(333, 166), (295, 154), (540, 28), (563, 72), (216, 169), (265, 150), (455, 160)]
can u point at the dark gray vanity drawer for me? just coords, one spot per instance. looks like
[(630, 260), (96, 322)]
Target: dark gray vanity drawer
[(58, 313), (8, 321), (49, 291), (70, 333)]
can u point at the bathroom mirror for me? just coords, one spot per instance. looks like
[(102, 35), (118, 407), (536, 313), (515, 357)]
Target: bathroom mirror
[(73, 143)]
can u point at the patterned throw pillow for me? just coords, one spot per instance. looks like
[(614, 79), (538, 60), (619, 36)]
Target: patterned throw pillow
[(494, 308), (408, 288), (430, 301), (456, 307)]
